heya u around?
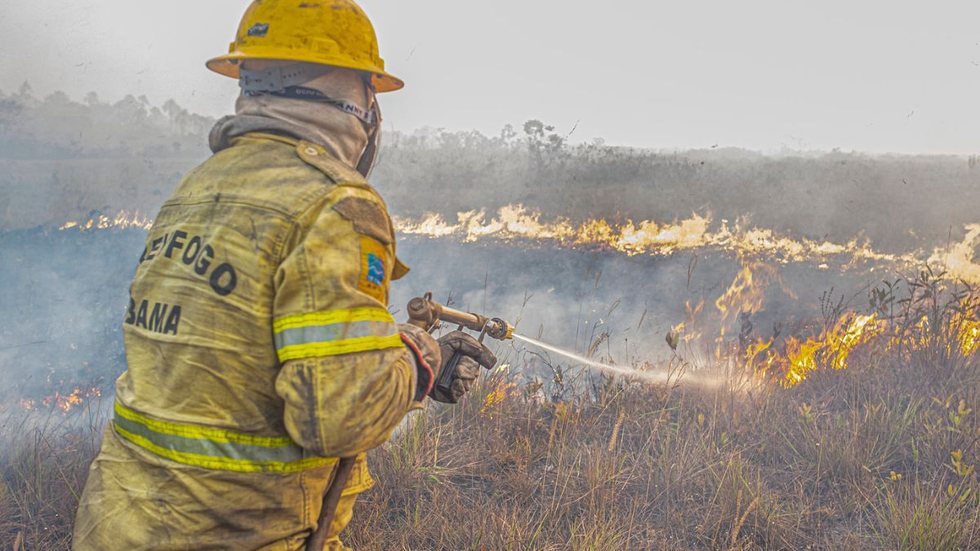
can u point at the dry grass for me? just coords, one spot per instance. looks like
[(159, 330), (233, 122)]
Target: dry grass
[(44, 461), (880, 455), (683, 469)]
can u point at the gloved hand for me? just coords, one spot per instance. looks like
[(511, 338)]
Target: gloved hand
[(474, 354), (428, 357)]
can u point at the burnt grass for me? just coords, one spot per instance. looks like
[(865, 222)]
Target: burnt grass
[(542, 455)]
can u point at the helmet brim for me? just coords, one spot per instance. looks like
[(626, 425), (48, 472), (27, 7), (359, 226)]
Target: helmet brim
[(229, 64)]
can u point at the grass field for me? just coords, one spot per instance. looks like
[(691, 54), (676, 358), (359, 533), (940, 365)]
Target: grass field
[(880, 455)]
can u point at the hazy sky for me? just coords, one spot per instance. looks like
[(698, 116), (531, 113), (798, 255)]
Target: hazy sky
[(867, 75)]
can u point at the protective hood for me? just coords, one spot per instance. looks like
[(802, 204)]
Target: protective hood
[(342, 134)]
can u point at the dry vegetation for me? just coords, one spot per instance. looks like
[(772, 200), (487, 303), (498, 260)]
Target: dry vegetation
[(880, 455), (44, 461)]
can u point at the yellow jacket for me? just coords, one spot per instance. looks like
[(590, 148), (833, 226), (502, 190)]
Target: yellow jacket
[(259, 349)]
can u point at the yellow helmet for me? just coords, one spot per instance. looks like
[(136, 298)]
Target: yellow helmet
[(328, 32)]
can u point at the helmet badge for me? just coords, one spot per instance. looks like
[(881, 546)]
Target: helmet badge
[(258, 29)]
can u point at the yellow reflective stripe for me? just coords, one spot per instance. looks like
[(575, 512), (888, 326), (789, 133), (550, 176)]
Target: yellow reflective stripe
[(347, 315), (221, 463), (336, 348), (200, 432), (212, 448)]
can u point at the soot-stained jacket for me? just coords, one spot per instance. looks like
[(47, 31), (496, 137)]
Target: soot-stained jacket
[(259, 349)]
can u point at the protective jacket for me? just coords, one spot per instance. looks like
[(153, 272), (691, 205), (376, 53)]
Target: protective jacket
[(259, 348)]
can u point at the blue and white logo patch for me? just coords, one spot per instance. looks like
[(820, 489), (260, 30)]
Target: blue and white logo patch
[(376, 269), (373, 279)]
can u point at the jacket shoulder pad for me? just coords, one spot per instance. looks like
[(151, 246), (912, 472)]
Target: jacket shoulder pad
[(318, 157)]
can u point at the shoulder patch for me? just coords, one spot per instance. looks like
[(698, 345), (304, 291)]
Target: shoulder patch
[(369, 218), (374, 270)]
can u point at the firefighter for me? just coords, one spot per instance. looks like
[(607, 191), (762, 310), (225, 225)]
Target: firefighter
[(259, 345)]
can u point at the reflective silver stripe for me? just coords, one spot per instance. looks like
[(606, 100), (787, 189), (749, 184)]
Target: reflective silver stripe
[(333, 332), (229, 450), (211, 447)]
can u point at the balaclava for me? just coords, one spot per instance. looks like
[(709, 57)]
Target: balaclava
[(335, 109)]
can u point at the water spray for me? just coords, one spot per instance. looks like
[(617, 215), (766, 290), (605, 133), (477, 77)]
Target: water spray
[(429, 315), (647, 376)]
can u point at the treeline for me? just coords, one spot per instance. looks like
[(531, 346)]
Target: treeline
[(57, 127), (61, 158), (898, 202)]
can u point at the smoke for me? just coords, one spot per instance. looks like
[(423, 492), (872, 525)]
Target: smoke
[(66, 290), (64, 300), (63, 324)]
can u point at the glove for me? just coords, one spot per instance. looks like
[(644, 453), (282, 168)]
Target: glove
[(473, 354), (428, 357)]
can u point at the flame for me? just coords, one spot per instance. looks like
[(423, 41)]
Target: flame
[(963, 327), (960, 259), (689, 330), (122, 220), (756, 349), (517, 222), (792, 359), (832, 347), (63, 402), (498, 395), (747, 291), (970, 337), (758, 251)]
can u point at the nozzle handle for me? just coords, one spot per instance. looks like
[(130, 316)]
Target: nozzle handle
[(445, 380)]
